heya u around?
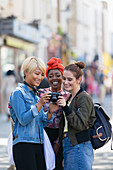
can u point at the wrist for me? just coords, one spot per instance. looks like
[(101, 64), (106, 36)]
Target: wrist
[(67, 110), (64, 105), (40, 103), (38, 106)]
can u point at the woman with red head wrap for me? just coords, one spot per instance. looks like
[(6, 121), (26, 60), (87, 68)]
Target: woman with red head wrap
[(54, 74), (54, 63)]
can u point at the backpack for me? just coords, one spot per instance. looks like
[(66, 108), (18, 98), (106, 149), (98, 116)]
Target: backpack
[(101, 131)]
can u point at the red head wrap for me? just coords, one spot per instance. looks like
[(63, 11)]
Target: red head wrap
[(54, 63)]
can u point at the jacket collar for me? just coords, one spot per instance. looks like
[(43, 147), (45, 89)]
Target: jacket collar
[(25, 87), (80, 91)]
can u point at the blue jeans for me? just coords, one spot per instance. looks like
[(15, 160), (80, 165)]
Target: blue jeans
[(78, 157)]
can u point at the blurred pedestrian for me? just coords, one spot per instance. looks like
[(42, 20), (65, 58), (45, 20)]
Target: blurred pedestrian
[(54, 73), (9, 84), (102, 88), (79, 116), (29, 118), (89, 81), (20, 78)]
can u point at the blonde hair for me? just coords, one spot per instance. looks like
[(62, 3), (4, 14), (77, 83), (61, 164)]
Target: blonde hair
[(31, 63)]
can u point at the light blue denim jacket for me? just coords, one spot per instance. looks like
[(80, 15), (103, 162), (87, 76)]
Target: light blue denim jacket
[(28, 122)]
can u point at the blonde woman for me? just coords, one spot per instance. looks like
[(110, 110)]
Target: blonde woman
[(29, 117)]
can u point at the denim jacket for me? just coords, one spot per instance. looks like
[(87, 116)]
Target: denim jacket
[(28, 122)]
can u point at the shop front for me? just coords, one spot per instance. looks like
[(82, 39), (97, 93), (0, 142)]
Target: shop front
[(17, 41)]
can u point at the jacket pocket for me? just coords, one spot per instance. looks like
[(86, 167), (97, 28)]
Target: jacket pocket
[(29, 101)]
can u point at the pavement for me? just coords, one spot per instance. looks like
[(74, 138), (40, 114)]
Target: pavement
[(5, 129), (103, 157)]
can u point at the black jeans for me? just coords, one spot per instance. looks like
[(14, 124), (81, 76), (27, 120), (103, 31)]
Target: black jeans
[(53, 135), (29, 156)]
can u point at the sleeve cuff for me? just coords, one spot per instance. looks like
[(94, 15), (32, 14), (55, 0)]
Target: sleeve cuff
[(67, 110), (34, 110)]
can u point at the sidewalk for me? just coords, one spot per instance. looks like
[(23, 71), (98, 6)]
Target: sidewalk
[(5, 129), (103, 157)]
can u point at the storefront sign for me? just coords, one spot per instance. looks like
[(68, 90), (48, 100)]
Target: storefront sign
[(26, 32), (14, 42), (18, 29)]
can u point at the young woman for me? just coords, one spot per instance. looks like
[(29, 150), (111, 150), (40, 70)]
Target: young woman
[(29, 118), (79, 116), (54, 74)]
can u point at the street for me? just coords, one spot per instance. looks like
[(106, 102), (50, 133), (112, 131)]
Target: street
[(103, 157), (5, 129)]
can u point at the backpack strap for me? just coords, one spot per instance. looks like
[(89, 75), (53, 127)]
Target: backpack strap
[(9, 106), (84, 135), (77, 99), (77, 105)]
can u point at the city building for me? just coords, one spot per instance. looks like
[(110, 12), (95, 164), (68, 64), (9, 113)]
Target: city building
[(69, 29)]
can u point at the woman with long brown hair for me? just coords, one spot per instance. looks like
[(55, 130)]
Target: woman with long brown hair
[(79, 116)]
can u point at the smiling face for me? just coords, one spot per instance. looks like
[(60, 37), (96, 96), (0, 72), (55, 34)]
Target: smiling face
[(70, 83), (33, 78), (55, 79)]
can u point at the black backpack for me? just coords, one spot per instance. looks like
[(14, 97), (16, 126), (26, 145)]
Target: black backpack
[(101, 132)]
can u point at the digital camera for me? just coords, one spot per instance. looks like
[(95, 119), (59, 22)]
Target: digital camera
[(54, 96)]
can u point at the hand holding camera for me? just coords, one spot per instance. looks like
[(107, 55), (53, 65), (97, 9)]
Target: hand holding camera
[(44, 99), (61, 101), (54, 96)]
